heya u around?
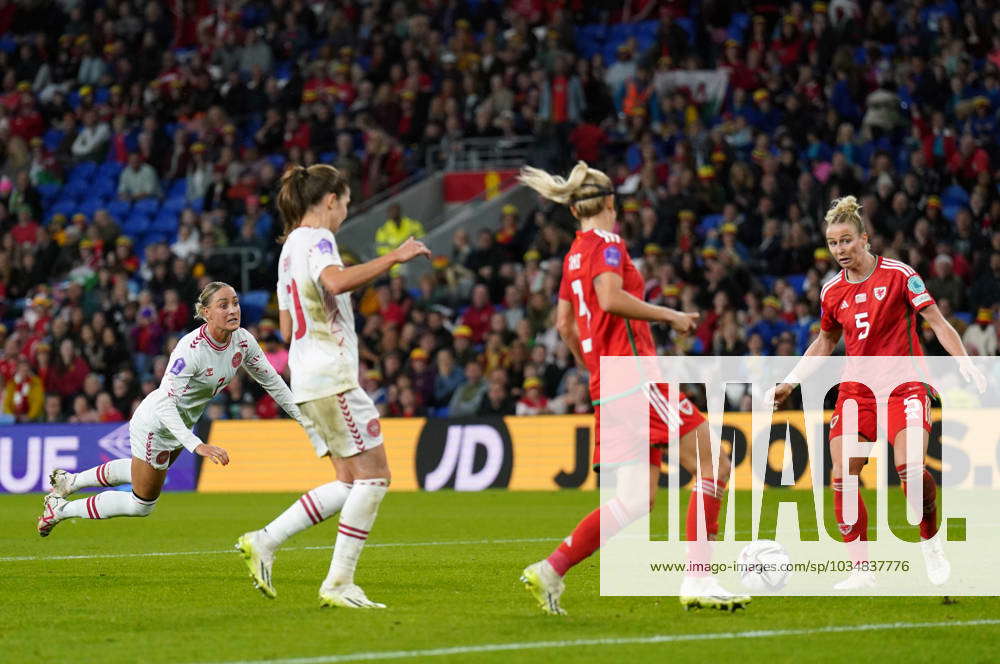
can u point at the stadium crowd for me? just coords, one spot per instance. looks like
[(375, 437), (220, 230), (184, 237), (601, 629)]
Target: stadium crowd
[(191, 109)]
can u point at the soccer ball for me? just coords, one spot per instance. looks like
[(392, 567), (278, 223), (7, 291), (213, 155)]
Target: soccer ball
[(763, 566)]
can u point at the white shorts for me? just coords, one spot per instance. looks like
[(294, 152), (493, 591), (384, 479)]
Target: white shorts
[(149, 445), (348, 423)]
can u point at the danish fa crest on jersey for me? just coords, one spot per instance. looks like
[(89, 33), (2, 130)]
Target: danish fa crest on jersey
[(237, 358), (879, 293)]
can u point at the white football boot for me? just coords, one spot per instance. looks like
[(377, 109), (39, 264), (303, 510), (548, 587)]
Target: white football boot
[(856, 580), (705, 592), (61, 482), (349, 596), (546, 585), (259, 558), (51, 512), (938, 567)]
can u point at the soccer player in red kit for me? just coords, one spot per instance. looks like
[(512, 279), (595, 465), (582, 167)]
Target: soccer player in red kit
[(601, 313), (873, 303)]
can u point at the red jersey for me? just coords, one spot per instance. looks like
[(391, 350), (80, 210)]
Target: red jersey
[(592, 253)]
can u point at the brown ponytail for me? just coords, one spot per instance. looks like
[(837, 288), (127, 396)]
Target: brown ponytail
[(301, 188)]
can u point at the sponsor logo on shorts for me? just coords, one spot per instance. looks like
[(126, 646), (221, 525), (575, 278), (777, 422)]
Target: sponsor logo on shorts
[(162, 457), (685, 407), (844, 528), (833, 421), (178, 366), (237, 358), (374, 428)]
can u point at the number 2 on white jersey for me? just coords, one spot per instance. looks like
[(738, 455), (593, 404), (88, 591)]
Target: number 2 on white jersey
[(864, 327), (300, 317), (577, 287)]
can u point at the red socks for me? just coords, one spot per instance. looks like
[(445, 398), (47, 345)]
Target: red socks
[(908, 474), (586, 537), (707, 493), (856, 534)]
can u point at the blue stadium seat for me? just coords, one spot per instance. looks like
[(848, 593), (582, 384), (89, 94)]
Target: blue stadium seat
[(197, 204), (955, 195), (49, 191), (709, 222), (83, 171), (165, 222), (964, 316), (174, 204), (278, 161), (147, 206), (110, 169), (253, 303), (52, 139), (136, 224), (177, 187), (101, 95), (66, 206), (327, 157), (118, 209), (89, 206), (797, 282)]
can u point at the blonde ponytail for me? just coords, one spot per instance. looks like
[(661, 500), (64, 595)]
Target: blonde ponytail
[(583, 191), (845, 210)]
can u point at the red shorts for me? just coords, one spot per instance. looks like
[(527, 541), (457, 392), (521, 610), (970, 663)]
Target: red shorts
[(687, 419), (909, 405)]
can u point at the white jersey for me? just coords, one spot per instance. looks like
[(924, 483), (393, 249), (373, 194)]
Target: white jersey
[(198, 369), (323, 357)]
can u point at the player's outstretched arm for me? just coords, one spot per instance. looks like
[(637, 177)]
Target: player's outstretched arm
[(948, 336), (822, 345), (337, 280), (615, 300)]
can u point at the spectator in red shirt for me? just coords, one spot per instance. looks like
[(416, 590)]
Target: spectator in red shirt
[(588, 141), (477, 316), (175, 315), (106, 411), (68, 371), (969, 161), (26, 229)]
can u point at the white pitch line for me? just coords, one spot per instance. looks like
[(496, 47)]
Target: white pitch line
[(158, 554), (162, 554), (609, 641)]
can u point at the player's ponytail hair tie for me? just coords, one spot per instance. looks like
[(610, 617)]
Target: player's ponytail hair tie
[(584, 189)]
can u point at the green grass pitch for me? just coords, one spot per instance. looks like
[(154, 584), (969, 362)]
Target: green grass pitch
[(195, 603)]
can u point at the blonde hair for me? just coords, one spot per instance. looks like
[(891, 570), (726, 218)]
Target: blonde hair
[(205, 298), (583, 191), (846, 210)]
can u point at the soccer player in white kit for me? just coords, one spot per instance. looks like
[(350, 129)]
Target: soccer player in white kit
[(202, 364), (314, 299)]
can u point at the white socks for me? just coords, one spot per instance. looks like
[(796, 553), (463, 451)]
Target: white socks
[(111, 473), (106, 505), (312, 507), (356, 520)]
